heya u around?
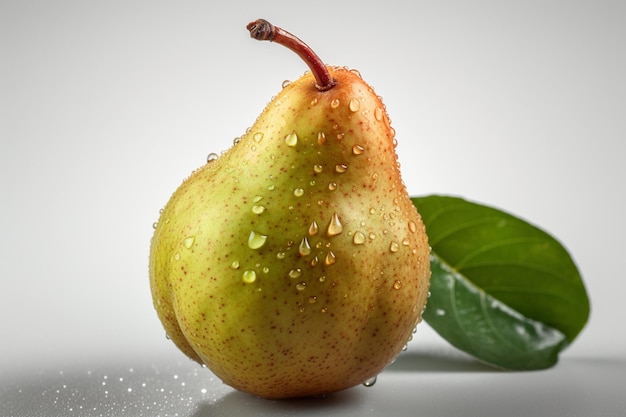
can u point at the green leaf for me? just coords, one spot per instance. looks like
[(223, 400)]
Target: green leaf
[(502, 290)]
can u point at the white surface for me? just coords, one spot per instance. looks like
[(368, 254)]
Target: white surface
[(431, 382), (106, 106)]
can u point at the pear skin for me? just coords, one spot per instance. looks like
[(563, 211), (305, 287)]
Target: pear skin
[(295, 264)]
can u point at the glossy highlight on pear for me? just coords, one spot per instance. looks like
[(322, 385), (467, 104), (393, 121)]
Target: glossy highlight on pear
[(294, 263)]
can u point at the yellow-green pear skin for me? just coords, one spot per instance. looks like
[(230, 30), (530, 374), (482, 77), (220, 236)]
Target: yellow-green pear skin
[(295, 264)]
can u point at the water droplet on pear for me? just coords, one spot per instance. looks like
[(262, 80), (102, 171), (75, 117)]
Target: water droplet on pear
[(295, 273), (369, 382), (341, 168), (330, 258), (258, 209), (249, 276), (358, 149), (358, 238), (378, 113), (334, 226), (305, 248), (354, 105), (313, 228), (256, 240), (291, 139)]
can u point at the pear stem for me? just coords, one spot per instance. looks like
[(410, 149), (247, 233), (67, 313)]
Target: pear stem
[(263, 30)]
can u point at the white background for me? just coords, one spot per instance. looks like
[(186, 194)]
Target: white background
[(106, 106)]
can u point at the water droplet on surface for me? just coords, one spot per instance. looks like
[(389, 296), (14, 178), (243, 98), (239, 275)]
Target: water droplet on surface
[(341, 168), (358, 238), (334, 226), (313, 228), (332, 186), (335, 103), (378, 113), (295, 273), (412, 226), (305, 248), (271, 187), (393, 247), (300, 286), (322, 278), (256, 240), (357, 149), (291, 139), (321, 138), (318, 169), (312, 299), (406, 242), (354, 105), (298, 192), (440, 312), (258, 209), (249, 276), (356, 72), (280, 255), (177, 257), (397, 285), (258, 136), (155, 224), (212, 157), (285, 83), (234, 265), (372, 236), (369, 382), (257, 198), (330, 258), (314, 102)]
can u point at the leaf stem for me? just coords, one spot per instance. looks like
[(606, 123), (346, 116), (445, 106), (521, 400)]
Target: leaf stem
[(263, 30)]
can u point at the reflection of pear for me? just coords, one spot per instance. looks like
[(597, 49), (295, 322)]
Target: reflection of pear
[(295, 263)]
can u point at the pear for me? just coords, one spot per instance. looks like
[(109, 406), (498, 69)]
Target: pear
[(294, 264)]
